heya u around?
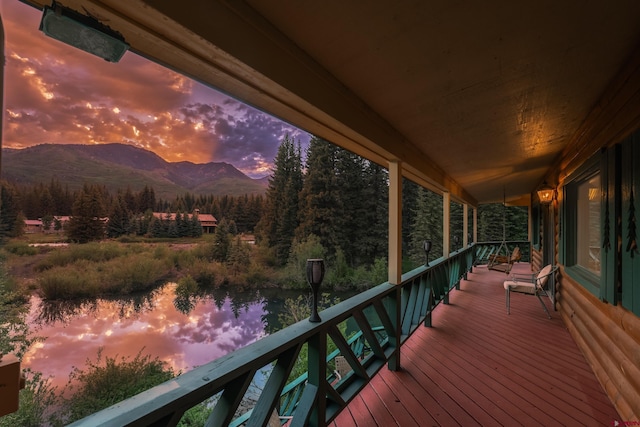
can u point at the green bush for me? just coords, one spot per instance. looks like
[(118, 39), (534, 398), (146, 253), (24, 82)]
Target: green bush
[(71, 281), (38, 401), (20, 248), (294, 275), (132, 274), (204, 272), (106, 381)]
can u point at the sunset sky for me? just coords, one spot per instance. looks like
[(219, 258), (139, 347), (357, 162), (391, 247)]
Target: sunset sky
[(58, 94)]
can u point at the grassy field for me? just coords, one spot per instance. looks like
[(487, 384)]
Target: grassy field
[(119, 267)]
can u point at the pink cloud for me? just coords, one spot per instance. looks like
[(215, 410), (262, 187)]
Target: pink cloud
[(57, 94)]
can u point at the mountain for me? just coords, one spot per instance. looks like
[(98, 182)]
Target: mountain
[(119, 165)]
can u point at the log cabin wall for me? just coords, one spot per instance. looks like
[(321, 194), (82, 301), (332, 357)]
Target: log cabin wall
[(607, 332), (609, 337)]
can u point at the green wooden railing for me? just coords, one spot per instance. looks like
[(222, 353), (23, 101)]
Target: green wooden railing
[(381, 319)]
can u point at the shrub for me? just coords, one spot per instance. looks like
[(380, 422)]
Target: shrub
[(204, 272), (133, 273), (71, 281), (107, 381), (20, 248), (295, 272), (38, 401)]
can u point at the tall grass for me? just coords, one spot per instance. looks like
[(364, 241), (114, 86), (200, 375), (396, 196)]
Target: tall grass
[(84, 279), (94, 252)]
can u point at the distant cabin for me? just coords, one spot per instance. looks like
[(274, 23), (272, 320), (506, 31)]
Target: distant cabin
[(248, 238), (37, 226), (32, 226), (208, 221)]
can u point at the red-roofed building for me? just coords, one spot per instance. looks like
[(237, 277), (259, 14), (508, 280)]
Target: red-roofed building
[(208, 221)]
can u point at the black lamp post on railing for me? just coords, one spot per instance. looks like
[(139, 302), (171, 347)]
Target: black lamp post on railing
[(315, 274), (426, 245)]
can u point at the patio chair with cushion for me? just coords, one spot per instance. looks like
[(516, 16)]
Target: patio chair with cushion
[(530, 284)]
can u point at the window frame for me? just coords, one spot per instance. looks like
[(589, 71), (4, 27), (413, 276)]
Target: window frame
[(586, 278)]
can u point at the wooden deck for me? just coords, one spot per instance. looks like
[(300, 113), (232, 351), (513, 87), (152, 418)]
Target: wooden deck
[(479, 366)]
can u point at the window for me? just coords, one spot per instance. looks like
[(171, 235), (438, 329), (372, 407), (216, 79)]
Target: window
[(588, 224), (582, 226)]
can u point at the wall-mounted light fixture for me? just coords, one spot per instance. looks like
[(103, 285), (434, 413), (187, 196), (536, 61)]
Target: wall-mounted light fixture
[(83, 32), (546, 193)]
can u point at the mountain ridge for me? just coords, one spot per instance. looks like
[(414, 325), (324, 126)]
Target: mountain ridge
[(118, 166)]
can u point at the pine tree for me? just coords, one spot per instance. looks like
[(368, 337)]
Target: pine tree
[(11, 218), (118, 223), (319, 196), (375, 225), (280, 220), (351, 208), (409, 209), (146, 199), (427, 225), (221, 242), (86, 223)]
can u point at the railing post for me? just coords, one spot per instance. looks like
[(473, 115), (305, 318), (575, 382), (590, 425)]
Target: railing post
[(395, 341), (317, 373)]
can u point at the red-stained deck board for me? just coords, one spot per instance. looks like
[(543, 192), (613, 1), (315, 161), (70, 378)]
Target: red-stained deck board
[(479, 366)]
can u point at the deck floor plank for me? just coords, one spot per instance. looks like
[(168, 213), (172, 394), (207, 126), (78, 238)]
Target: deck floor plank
[(479, 366)]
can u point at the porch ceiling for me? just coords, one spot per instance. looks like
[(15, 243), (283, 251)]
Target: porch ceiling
[(475, 98)]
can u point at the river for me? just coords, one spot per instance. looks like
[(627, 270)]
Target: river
[(184, 333)]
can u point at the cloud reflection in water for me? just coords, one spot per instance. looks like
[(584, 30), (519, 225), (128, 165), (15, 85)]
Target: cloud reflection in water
[(210, 330)]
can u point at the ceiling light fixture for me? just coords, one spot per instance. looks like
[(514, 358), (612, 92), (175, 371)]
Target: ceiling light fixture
[(83, 32)]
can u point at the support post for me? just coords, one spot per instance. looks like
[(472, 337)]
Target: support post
[(446, 223), (465, 225), (395, 256), (395, 222)]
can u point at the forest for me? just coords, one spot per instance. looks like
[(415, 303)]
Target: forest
[(330, 195)]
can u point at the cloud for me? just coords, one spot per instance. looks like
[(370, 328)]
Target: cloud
[(57, 94), (206, 333)]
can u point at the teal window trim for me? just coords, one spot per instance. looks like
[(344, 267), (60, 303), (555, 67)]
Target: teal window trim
[(630, 180), (535, 225)]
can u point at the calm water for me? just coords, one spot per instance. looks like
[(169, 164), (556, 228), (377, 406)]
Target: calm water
[(185, 333)]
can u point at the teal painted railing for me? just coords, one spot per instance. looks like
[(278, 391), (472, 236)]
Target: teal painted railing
[(384, 317)]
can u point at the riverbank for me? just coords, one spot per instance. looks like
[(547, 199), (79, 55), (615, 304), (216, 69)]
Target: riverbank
[(107, 268)]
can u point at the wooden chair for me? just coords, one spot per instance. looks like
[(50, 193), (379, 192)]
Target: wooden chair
[(530, 284), (504, 262)]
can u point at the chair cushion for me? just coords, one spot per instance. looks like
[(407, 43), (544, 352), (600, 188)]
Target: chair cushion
[(545, 271), (524, 287), (543, 276)]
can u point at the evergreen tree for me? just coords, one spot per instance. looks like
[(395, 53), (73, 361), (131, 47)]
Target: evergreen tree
[(456, 226), (350, 210), (280, 219), (118, 223), (239, 256), (221, 242), (195, 227), (11, 218), (146, 199), (86, 223), (427, 225), (409, 209), (319, 200), (375, 225)]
